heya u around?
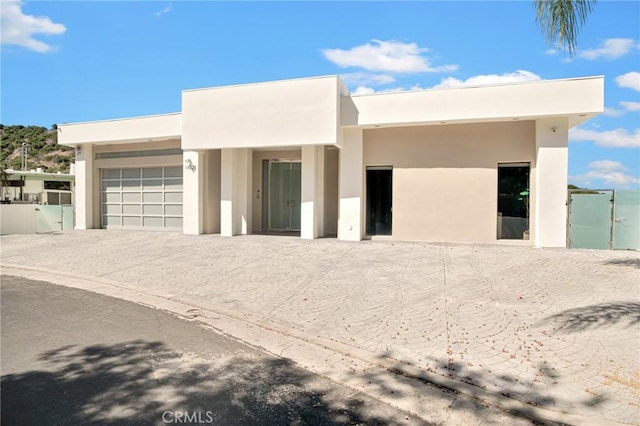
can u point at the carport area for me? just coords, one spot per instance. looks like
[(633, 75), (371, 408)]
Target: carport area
[(556, 328)]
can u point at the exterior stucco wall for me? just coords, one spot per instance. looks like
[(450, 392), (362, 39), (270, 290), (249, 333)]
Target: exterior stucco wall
[(212, 192), (125, 130), (445, 177), (331, 191), (281, 113)]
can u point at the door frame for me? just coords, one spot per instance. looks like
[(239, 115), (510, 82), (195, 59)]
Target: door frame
[(266, 188), (366, 201)]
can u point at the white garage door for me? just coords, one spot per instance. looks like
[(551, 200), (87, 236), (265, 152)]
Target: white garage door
[(142, 198)]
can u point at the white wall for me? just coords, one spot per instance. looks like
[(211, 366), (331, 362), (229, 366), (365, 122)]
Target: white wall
[(17, 219), (126, 130), (282, 113), (578, 98), (552, 157), (351, 187)]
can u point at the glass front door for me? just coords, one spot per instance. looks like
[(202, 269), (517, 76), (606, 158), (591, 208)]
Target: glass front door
[(284, 195)]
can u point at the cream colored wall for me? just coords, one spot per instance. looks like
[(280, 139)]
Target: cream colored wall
[(578, 98), (256, 184), (18, 219), (212, 192), (331, 191), (279, 113), (125, 130), (445, 177)]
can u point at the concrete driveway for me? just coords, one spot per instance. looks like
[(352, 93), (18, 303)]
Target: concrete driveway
[(554, 328)]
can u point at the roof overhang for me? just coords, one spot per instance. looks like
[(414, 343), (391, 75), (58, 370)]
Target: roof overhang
[(152, 128), (578, 99)]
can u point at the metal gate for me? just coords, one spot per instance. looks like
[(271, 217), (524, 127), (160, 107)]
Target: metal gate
[(604, 219)]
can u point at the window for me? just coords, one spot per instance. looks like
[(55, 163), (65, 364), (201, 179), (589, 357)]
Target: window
[(513, 201), (57, 185)]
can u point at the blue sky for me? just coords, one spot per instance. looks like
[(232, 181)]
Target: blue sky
[(80, 61)]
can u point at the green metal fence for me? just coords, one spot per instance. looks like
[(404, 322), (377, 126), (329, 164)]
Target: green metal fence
[(604, 219)]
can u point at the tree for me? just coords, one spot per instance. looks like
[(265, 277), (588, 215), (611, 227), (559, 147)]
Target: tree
[(561, 21)]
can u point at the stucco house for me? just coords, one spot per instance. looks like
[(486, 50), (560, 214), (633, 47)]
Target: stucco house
[(485, 164)]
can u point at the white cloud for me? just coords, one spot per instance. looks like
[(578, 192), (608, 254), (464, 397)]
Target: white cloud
[(630, 80), (630, 106), (611, 173), (618, 138), (551, 52), (611, 48), (20, 29), (386, 56), (164, 10), (362, 78), (478, 80), (613, 112), (365, 90)]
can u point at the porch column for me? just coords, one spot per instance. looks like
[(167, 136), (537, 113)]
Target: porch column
[(193, 192), (84, 187), (550, 192), (235, 182), (351, 186), (312, 192)]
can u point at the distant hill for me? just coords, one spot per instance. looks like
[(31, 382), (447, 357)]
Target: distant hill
[(43, 152)]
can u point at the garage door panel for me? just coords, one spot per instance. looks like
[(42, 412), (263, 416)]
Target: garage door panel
[(173, 184), (173, 222), (173, 210), (133, 209), (131, 197), (173, 172), (131, 221), (111, 220), (131, 185), (152, 209), (152, 185), (154, 172), (173, 197), (152, 222), (111, 209), (142, 198), (130, 173), (111, 197), (111, 174)]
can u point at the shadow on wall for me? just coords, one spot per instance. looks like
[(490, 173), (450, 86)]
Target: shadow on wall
[(626, 314), (138, 381)]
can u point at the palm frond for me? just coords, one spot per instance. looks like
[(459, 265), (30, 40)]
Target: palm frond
[(562, 20)]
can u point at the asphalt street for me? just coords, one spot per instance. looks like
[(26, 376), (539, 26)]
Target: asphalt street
[(74, 357)]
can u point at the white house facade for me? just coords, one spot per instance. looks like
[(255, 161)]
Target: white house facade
[(474, 164)]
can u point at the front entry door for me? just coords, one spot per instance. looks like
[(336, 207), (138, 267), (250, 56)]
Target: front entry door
[(284, 195)]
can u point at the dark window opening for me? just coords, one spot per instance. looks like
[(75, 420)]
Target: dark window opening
[(513, 201), (57, 185), (379, 200)]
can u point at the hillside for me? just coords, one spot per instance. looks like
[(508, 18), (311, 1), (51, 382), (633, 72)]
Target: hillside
[(43, 152)]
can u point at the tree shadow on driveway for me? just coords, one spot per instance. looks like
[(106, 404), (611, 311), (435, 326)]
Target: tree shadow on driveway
[(624, 262), (602, 315), (138, 382)]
